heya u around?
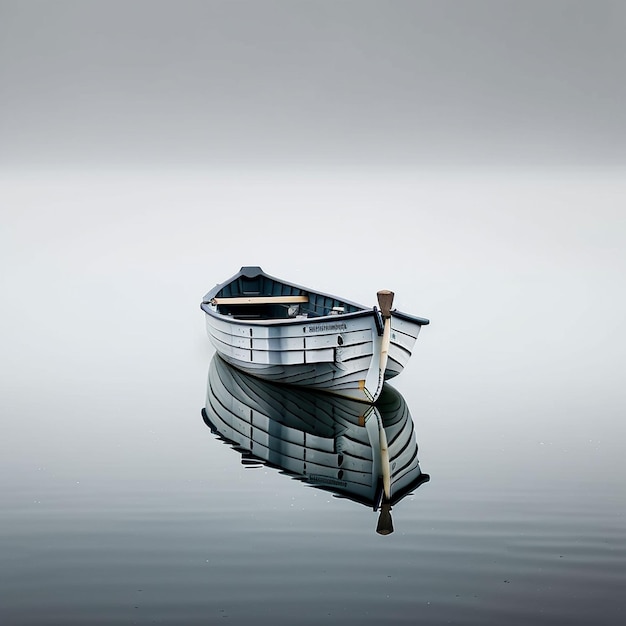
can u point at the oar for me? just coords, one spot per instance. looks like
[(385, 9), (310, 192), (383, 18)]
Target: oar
[(385, 302)]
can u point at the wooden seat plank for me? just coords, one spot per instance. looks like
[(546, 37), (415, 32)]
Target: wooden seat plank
[(260, 300)]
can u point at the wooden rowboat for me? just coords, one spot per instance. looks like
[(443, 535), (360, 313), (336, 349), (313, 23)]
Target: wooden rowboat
[(287, 333), (365, 453)]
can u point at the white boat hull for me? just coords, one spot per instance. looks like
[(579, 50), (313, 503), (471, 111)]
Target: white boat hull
[(339, 354), (289, 334)]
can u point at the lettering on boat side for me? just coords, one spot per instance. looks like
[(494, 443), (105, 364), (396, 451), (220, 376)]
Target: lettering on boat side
[(327, 480), (318, 328)]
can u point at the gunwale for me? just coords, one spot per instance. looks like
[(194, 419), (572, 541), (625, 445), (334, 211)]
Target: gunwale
[(255, 271)]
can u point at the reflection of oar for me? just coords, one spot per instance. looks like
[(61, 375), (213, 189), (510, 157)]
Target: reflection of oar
[(385, 523), (385, 301), (384, 460)]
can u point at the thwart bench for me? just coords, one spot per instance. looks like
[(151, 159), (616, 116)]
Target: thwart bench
[(261, 300)]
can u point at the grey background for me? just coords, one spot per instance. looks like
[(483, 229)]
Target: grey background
[(311, 84), (467, 155)]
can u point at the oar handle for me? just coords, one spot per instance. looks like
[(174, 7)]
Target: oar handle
[(385, 302)]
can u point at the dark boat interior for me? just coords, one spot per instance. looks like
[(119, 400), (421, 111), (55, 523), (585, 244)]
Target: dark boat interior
[(274, 299)]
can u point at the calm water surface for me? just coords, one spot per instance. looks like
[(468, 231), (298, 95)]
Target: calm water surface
[(120, 505)]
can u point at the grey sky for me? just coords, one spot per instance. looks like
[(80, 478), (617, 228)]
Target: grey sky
[(261, 83)]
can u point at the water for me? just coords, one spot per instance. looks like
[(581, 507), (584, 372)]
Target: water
[(120, 506)]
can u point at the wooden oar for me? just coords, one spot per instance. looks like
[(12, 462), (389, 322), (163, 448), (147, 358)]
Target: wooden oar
[(385, 302)]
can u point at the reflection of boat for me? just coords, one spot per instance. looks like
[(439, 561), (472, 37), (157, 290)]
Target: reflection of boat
[(367, 453), (290, 334)]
